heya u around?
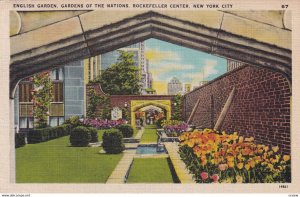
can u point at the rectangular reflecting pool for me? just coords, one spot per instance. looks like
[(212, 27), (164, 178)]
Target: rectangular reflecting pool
[(151, 149)]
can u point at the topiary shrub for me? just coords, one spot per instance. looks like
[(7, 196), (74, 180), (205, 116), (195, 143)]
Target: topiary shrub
[(19, 140), (80, 136), (94, 134), (113, 141), (126, 130)]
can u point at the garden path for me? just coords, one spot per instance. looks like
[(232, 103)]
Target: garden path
[(120, 172)]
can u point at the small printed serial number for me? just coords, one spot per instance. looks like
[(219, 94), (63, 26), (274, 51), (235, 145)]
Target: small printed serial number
[(283, 186), (293, 195)]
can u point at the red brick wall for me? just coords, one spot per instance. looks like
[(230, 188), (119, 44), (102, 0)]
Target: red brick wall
[(260, 108), (120, 100)]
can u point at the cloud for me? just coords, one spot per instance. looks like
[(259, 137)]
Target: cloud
[(209, 67), (202, 73), (155, 55)]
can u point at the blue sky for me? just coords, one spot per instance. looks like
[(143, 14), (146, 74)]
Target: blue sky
[(167, 60)]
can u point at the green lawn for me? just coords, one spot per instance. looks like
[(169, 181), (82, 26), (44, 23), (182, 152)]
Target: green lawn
[(150, 170), (149, 135), (56, 161)]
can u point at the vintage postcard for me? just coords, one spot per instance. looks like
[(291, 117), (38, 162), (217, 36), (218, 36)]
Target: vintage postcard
[(157, 96)]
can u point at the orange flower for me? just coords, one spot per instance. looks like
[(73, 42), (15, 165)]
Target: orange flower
[(286, 157), (252, 164), (275, 149)]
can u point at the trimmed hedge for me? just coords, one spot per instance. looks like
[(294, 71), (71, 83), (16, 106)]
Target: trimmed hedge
[(94, 134), (80, 136), (126, 130), (113, 141), (19, 140), (48, 133)]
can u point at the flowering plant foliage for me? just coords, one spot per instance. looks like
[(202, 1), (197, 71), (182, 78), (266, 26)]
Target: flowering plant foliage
[(174, 127), (103, 124), (41, 98), (229, 158)]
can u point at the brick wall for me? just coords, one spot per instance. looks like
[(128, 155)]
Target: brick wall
[(260, 108), (120, 100)]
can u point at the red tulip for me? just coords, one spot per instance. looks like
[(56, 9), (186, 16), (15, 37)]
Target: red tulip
[(204, 175), (215, 178)]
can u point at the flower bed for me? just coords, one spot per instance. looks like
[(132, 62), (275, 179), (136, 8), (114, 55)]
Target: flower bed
[(219, 157), (103, 124), (173, 128)]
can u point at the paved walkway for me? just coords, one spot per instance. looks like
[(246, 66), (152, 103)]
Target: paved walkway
[(182, 173), (120, 172), (140, 133)]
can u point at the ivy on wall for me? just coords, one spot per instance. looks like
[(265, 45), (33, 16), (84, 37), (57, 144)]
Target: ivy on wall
[(178, 104), (41, 97)]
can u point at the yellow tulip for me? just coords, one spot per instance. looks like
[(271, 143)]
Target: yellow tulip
[(230, 164), (247, 166), (240, 165), (230, 158), (239, 179), (286, 157), (275, 149), (191, 143), (240, 157)]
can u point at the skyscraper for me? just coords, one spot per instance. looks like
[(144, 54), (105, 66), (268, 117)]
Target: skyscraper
[(174, 86)]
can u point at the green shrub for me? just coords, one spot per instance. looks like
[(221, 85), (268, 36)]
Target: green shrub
[(48, 133), (113, 141), (94, 134), (126, 130), (80, 136), (159, 122), (19, 140)]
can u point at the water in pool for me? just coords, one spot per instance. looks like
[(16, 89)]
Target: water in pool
[(150, 149)]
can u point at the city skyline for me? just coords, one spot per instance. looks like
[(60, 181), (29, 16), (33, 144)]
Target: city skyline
[(168, 60)]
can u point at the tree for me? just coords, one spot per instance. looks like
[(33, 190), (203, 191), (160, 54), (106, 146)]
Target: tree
[(121, 78), (41, 98), (178, 104)]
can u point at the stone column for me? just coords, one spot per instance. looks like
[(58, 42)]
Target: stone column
[(12, 151)]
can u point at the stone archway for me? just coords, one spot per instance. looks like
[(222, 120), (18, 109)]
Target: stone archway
[(88, 34), (138, 104)]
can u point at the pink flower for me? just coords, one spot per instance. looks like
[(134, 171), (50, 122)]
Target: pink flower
[(215, 178), (223, 167), (204, 175)]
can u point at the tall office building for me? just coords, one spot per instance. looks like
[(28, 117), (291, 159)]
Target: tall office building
[(174, 86)]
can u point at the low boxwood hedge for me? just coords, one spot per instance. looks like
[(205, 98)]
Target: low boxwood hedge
[(126, 130), (48, 133), (19, 140), (113, 141)]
